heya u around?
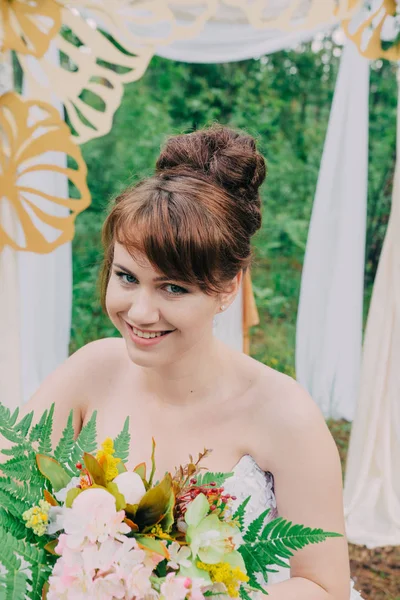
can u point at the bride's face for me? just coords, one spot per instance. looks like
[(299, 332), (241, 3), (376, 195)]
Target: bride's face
[(141, 302)]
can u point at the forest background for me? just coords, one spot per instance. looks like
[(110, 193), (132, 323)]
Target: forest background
[(284, 100)]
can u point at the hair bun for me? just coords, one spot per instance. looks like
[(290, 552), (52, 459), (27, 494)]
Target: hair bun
[(229, 158)]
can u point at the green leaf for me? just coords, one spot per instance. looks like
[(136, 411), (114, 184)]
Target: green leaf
[(85, 442), (152, 544), (255, 527), (240, 512), (24, 424), (36, 431), (53, 471), (197, 510), (207, 477), (16, 585), (122, 442), (95, 469), (155, 504), (45, 446), (153, 463), (66, 443)]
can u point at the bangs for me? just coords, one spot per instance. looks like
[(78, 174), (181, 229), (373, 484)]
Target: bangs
[(180, 238)]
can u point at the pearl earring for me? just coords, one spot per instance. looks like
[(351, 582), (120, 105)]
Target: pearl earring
[(223, 307)]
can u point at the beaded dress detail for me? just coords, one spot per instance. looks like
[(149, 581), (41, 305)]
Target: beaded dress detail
[(250, 480)]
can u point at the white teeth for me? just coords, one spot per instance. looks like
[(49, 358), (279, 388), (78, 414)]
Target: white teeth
[(145, 335)]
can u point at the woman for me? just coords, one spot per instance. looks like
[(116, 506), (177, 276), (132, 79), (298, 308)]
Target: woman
[(176, 247)]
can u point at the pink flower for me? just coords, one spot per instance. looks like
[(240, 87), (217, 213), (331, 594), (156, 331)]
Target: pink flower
[(93, 517), (174, 587), (138, 582)]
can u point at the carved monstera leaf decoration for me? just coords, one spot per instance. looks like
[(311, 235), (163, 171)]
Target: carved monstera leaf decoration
[(28, 26), (367, 27), (34, 141)]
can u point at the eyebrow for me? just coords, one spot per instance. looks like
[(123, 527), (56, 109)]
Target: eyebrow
[(162, 278)]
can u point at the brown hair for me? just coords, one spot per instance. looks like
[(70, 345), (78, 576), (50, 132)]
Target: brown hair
[(194, 218)]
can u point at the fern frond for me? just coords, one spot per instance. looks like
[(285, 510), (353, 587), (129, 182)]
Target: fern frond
[(66, 443), (207, 478), (255, 527), (21, 490), (16, 585), (14, 505), (85, 442), (284, 535), (36, 431), (24, 424), (20, 467), (240, 512), (244, 594), (45, 437), (13, 525), (122, 442)]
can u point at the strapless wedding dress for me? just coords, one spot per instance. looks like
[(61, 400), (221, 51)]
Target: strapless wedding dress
[(250, 480)]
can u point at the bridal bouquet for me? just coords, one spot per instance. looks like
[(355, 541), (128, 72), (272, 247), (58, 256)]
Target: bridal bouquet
[(76, 524)]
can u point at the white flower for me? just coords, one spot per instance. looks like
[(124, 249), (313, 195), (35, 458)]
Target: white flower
[(56, 519), (174, 587), (62, 494), (131, 486), (138, 581), (179, 556), (93, 517)]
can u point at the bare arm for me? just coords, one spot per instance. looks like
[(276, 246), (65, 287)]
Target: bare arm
[(308, 486)]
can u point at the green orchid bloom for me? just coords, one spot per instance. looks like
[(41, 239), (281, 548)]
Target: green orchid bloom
[(210, 539)]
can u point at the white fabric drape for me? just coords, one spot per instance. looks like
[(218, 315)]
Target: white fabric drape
[(329, 323), (372, 483), (45, 287), (10, 359), (44, 294), (230, 42)]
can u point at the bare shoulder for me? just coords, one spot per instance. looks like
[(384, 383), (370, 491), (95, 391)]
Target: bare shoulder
[(290, 418), (73, 383)]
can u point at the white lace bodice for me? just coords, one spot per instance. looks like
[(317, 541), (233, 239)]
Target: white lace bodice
[(250, 480)]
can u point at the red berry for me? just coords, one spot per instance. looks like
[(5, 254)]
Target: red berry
[(233, 497), (213, 483), (78, 465), (193, 481)]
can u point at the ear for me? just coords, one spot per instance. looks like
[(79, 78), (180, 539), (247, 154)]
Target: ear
[(232, 290)]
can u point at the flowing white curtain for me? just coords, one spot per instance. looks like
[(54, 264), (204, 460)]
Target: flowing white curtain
[(230, 42), (38, 289), (10, 359), (329, 323), (372, 483)]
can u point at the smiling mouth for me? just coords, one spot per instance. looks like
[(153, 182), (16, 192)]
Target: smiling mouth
[(148, 335)]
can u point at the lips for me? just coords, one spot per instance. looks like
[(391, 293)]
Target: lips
[(144, 341)]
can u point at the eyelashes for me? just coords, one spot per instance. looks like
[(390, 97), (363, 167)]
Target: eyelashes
[(122, 276)]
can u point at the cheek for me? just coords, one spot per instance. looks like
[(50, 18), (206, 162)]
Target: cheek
[(193, 315), (114, 299)]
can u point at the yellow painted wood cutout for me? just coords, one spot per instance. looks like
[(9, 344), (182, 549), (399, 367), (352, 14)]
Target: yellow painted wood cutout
[(367, 33), (28, 26), (28, 131)]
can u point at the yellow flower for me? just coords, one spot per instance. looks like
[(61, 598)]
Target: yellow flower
[(106, 459), (224, 573), (37, 518)]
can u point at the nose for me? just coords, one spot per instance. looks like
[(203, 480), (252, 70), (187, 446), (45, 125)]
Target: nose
[(143, 310)]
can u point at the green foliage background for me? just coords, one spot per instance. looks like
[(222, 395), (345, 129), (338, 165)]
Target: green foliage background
[(283, 100)]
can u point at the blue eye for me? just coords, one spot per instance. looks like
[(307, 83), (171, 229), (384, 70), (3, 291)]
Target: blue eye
[(177, 289), (125, 277)]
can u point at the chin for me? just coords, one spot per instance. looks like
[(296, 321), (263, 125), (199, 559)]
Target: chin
[(143, 359)]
